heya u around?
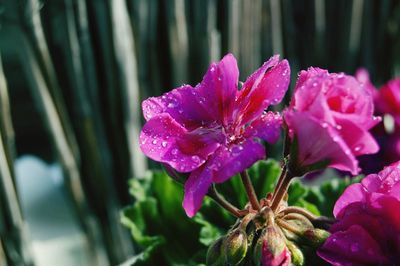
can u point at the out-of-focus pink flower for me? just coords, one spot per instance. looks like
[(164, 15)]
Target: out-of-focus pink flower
[(367, 231), (362, 75), (387, 105), (330, 115), (213, 130), (388, 99)]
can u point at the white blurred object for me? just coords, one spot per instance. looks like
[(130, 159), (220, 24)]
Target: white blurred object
[(56, 237)]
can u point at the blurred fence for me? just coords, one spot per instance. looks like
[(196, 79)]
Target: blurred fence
[(87, 64)]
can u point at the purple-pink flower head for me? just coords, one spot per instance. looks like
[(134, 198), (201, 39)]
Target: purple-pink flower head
[(367, 231), (213, 131), (330, 115)]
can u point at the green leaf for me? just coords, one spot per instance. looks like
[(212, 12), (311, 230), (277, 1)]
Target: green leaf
[(264, 175), (208, 232), (308, 206), (297, 191)]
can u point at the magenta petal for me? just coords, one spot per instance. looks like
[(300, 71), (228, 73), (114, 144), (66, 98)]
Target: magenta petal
[(352, 194), (196, 188), (228, 162), (352, 247), (266, 86), (359, 140), (267, 127), (164, 140), (219, 88), (386, 182), (318, 141), (184, 104)]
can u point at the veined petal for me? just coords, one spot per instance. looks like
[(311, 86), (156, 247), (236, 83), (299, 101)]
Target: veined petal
[(352, 194), (352, 247), (266, 127), (359, 140), (386, 182), (266, 86), (196, 188), (164, 140), (229, 161), (318, 141), (219, 88), (183, 104)]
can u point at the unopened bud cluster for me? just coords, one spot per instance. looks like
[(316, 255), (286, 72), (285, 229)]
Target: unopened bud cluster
[(268, 238)]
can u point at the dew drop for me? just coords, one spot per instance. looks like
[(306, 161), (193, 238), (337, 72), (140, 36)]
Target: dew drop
[(154, 142), (171, 105), (174, 151), (195, 158), (164, 144), (358, 148), (338, 127), (324, 125)]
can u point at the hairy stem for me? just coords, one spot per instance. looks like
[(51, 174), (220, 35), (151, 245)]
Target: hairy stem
[(298, 210), (279, 183), (218, 198), (251, 194), (281, 191), (289, 227)]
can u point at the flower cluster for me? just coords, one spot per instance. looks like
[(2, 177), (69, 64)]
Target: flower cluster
[(367, 231), (331, 115), (213, 130), (217, 129)]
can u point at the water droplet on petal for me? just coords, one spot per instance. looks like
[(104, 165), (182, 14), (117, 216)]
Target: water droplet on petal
[(174, 151), (154, 142), (195, 158), (358, 148), (164, 144), (324, 125)]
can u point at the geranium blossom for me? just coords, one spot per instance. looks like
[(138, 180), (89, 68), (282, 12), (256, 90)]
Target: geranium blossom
[(388, 99), (330, 115), (367, 231), (213, 131)]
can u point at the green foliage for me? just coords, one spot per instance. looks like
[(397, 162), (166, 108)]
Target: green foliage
[(166, 236)]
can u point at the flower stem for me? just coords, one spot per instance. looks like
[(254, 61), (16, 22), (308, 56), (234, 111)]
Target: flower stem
[(281, 190), (289, 227), (251, 194), (279, 183), (218, 198), (304, 212)]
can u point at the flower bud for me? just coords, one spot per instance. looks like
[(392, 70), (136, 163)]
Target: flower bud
[(235, 247), (271, 248), (314, 237), (214, 253), (297, 254)]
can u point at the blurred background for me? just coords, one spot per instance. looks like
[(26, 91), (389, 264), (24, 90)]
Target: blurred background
[(74, 72)]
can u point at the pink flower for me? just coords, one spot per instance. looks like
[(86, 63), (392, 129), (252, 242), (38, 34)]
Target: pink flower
[(388, 99), (330, 115), (213, 131), (367, 231)]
